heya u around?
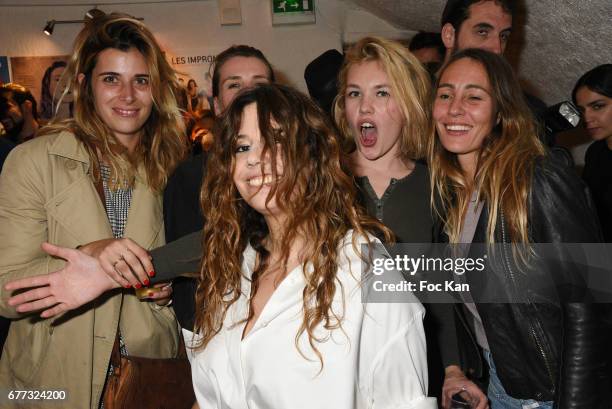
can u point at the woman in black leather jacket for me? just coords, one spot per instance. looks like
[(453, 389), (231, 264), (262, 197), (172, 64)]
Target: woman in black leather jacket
[(493, 183)]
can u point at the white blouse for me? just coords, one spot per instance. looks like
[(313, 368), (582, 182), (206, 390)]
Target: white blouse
[(377, 359)]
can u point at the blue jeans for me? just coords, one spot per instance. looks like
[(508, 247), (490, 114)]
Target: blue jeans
[(499, 399)]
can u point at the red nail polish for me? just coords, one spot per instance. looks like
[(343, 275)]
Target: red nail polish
[(151, 273), (138, 285), (150, 293), (127, 286), (146, 281)]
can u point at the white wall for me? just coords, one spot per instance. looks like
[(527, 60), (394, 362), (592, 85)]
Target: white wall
[(193, 27)]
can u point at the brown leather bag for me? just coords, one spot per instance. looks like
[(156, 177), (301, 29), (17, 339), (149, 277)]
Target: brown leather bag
[(147, 383)]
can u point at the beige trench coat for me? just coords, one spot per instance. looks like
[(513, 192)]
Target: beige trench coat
[(46, 194)]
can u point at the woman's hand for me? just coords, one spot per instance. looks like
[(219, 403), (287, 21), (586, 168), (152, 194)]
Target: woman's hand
[(80, 281), (455, 382), (123, 260), (161, 294)]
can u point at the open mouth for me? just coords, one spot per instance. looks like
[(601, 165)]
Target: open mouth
[(366, 126), (368, 134)]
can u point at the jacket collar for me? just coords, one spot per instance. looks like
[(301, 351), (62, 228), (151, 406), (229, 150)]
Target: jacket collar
[(144, 224), (68, 146)]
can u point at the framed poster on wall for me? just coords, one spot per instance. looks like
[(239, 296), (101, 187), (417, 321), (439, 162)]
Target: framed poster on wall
[(293, 12), (43, 77), (194, 69)]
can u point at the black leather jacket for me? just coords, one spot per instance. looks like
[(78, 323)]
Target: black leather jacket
[(545, 347)]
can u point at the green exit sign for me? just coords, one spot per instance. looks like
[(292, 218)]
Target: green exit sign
[(292, 6), (293, 11)]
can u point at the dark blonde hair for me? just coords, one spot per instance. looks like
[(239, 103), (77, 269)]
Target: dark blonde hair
[(409, 82), (315, 193), (506, 160), (163, 143)]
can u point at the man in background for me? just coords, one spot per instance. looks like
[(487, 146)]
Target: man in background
[(485, 24), (18, 113), (429, 49)]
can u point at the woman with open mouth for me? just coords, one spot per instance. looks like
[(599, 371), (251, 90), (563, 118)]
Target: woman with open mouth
[(382, 112)]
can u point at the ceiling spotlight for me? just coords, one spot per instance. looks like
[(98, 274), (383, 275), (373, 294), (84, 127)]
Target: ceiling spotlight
[(89, 16), (94, 13), (48, 30)]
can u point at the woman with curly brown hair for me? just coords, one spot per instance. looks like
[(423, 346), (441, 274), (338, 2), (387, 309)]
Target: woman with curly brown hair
[(280, 319), (279, 300)]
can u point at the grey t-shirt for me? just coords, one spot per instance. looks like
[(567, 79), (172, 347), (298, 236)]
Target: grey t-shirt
[(404, 207)]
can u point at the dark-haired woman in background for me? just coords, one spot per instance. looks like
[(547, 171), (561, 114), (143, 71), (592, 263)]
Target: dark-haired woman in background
[(493, 183), (236, 68), (593, 95), (50, 94)]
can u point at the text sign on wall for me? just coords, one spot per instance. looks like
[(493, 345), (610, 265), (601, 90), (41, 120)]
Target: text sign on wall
[(192, 59)]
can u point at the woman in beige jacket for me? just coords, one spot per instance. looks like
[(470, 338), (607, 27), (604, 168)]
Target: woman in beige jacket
[(95, 177)]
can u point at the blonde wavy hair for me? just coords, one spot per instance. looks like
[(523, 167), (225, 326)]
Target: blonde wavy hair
[(505, 164), (411, 88), (163, 144), (315, 193)]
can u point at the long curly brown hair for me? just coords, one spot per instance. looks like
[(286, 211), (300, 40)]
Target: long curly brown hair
[(315, 193)]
